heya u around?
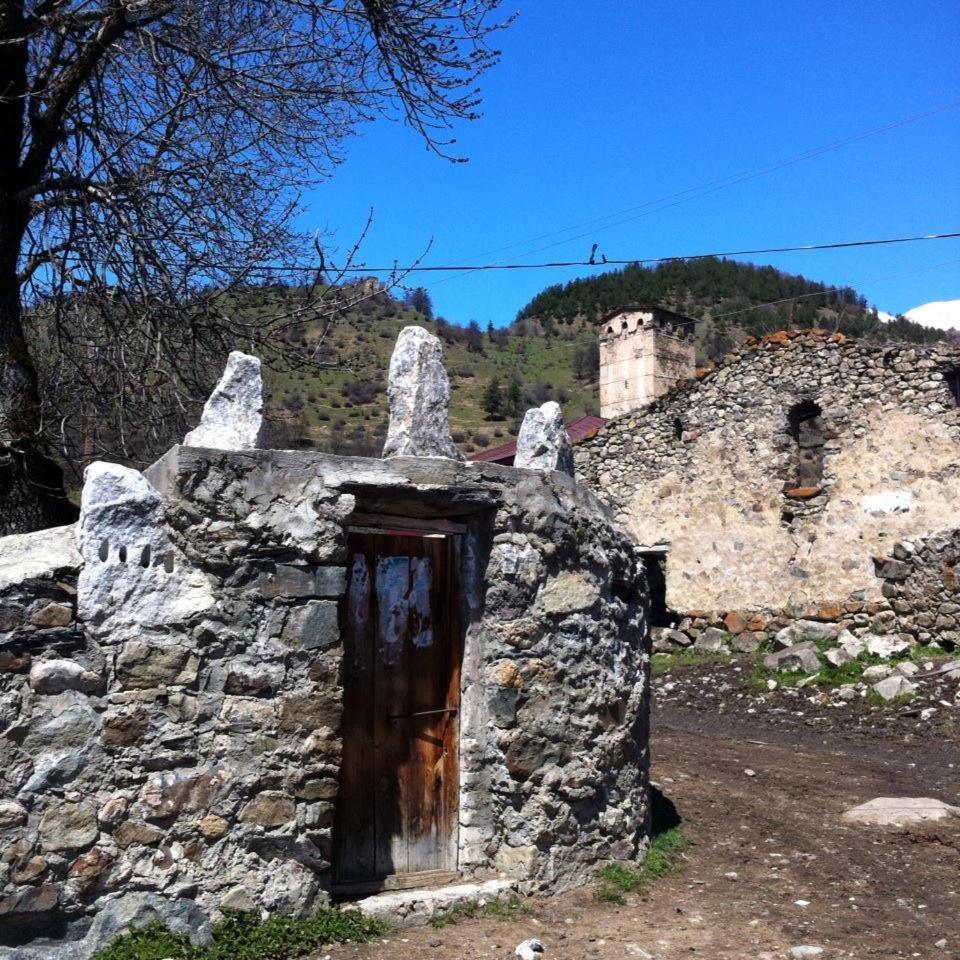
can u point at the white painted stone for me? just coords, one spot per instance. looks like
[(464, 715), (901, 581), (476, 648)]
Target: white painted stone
[(233, 415), (542, 443), (24, 556), (125, 584), (408, 907), (419, 393), (900, 811), (888, 501)]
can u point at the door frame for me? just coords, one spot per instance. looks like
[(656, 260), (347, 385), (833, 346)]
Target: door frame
[(391, 525)]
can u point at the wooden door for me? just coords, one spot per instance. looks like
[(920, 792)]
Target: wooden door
[(397, 802)]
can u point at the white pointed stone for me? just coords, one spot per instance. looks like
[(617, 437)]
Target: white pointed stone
[(419, 393), (132, 576), (233, 415), (542, 443)]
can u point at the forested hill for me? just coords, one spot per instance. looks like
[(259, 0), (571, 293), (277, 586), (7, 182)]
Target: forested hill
[(732, 300)]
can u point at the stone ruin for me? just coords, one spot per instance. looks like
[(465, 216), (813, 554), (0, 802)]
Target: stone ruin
[(807, 483), (192, 678)]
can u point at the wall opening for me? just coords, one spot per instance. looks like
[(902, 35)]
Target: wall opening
[(655, 567), (953, 382), (805, 480)]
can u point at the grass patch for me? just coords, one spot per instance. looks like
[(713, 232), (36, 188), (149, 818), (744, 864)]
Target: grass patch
[(665, 856), (502, 908), (920, 653), (827, 676), (665, 662), (243, 936)]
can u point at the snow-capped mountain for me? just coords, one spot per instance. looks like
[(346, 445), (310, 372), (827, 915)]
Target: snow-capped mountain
[(941, 314)]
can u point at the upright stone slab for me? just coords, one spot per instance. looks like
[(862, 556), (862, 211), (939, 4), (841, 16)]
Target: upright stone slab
[(419, 395), (233, 415), (132, 576), (542, 443)]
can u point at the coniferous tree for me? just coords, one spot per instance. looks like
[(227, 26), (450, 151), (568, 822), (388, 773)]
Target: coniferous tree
[(493, 400)]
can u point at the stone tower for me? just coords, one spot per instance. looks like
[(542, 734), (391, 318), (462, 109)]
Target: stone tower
[(644, 351)]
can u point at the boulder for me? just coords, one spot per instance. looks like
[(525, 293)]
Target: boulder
[(12, 814), (894, 686), (747, 642), (801, 656), (233, 415), (133, 911), (802, 630), (851, 645), (711, 640), (901, 811), (418, 391), (542, 443), (837, 656), (885, 646)]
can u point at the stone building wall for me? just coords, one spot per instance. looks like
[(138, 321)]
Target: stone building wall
[(920, 582), (182, 737), (721, 470)]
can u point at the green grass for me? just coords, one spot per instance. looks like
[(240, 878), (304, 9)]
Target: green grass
[(243, 936), (503, 908), (920, 653), (827, 676), (664, 857), (665, 662)]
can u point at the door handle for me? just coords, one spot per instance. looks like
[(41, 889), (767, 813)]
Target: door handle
[(424, 713)]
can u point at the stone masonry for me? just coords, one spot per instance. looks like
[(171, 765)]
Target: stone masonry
[(777, 478), (186, 748)]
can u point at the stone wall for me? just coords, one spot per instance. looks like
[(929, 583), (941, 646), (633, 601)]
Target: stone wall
[(183, 738), (920, 582), (715, 469)]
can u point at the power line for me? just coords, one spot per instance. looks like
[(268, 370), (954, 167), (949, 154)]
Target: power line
[(713, 186), (311, 268), (606, 262)]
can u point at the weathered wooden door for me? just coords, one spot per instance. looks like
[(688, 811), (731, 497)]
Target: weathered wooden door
[(397, 802)]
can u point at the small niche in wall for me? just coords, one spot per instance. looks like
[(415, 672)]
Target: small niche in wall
[(805, 479)]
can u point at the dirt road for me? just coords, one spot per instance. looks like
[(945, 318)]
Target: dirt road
[(771, 867)]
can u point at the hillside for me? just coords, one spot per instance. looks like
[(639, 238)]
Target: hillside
[(342, 407), (549, 352), (731, 300)]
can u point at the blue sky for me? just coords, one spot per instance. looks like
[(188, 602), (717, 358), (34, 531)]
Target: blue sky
[(604, 106)]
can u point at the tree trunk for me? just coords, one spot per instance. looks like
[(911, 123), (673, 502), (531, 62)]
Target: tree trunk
[(32, 496), (31, 485)]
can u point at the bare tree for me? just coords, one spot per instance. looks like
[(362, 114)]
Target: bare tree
[(151, 153)]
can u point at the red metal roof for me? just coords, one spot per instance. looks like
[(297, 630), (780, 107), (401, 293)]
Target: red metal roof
[(577, 430)]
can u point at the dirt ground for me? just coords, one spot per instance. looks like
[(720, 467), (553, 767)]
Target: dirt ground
[(772, 866)]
